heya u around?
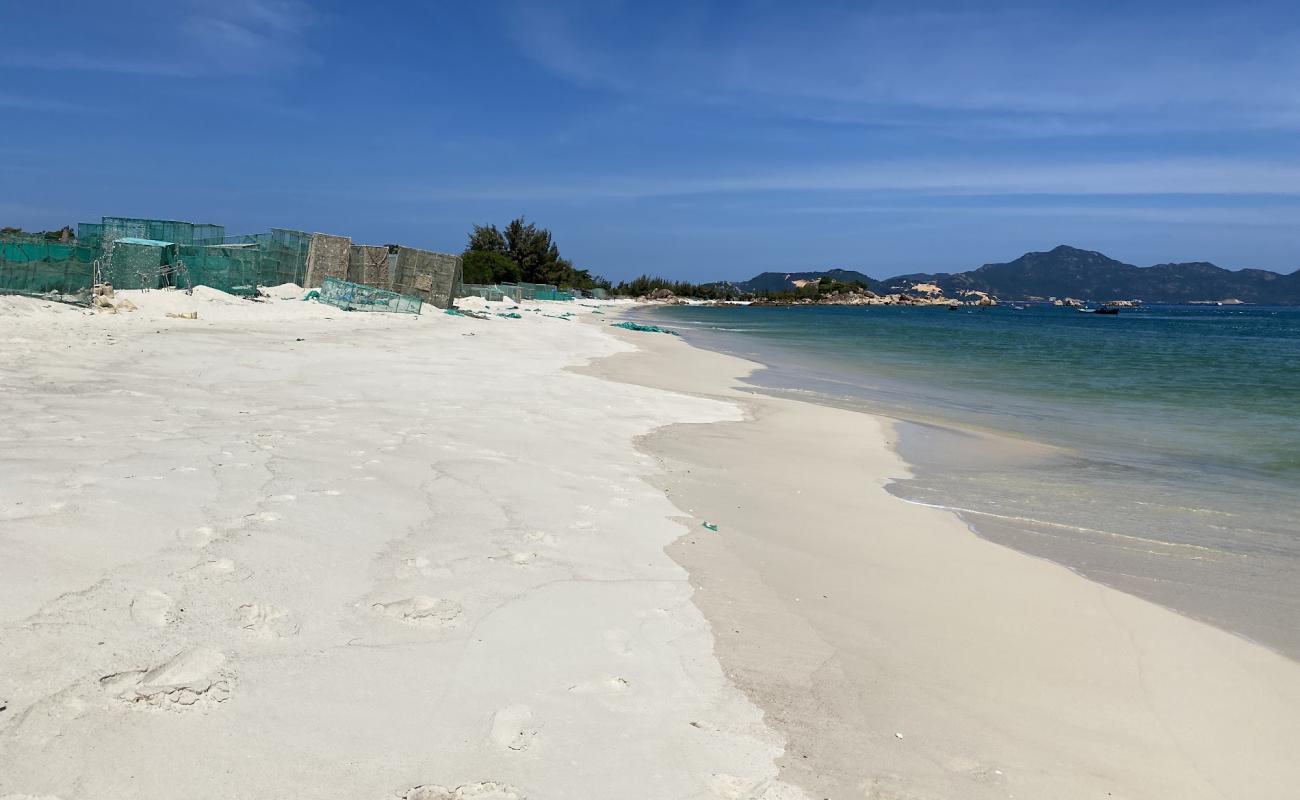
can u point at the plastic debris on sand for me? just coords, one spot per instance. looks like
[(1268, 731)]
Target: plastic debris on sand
[(636, 326)]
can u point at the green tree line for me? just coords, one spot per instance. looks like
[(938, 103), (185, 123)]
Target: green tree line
[(64, 234), (646, 284), (522, 252)]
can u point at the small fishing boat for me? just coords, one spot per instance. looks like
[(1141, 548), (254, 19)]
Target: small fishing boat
[(1102, 310)]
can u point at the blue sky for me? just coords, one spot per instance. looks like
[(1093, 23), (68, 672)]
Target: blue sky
[(695, 140)]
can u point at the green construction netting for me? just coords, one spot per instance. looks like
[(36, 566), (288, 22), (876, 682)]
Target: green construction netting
[(90, 233), (283, 257), (138, 264), (167, 230), (485, 291), (57, 270), (230, 268), (357, 297), (521, 291)]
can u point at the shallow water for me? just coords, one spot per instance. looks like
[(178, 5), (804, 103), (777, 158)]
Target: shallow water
[(1157, 451)]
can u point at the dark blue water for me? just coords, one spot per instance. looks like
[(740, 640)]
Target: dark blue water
[(1157, 450)]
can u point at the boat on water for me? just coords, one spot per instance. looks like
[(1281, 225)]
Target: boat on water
[(1102, 310)]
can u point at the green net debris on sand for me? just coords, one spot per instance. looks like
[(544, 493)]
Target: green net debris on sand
[(511, 315), (636, 326), (358, 297)]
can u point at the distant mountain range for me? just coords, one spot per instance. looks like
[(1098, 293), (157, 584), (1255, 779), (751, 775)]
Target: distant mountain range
[(1084, 274)]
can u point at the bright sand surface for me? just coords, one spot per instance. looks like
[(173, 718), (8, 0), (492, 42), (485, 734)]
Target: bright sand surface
[(905, 658), (286, 551), (283, 551)]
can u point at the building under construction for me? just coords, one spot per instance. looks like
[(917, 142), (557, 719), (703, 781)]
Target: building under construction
[(129, 253)]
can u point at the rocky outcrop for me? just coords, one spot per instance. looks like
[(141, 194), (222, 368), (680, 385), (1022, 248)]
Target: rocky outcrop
[(663, 296), (865, 298), (974, 297)]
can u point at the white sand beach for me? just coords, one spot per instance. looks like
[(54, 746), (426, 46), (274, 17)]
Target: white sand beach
[(282, 550), (287, 551)]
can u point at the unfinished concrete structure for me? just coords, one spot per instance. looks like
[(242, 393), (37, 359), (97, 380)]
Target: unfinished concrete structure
[(431, 276), (327, 257), (151, 253), (369, 264)]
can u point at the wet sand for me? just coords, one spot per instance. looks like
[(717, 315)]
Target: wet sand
[(904, 657)]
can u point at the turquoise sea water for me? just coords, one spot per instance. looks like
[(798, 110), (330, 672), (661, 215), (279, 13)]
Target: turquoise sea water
[(1157, 450)]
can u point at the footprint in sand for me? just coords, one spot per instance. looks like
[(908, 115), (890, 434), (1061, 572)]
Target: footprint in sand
[(422, 610), (151, 607), (542, 537), (196, 537), (974, 769), (417, 566), (611, 685), (491, 790), (888, 787), (513, 728), (618, 642), (266, 621), (191, 678), (216, 569), (730, 787)]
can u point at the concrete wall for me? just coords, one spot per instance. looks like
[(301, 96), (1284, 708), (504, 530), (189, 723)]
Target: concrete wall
[(368, 264), (428, 275), (327, 257)]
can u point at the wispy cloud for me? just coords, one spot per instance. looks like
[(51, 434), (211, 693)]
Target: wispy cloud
[(1267, 216), (934, 177), (1032, 69), (31, 103), (191, 38)]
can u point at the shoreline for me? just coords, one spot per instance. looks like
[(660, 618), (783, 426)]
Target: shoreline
[(1004, 672), (1229, 582), (285, 550)]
